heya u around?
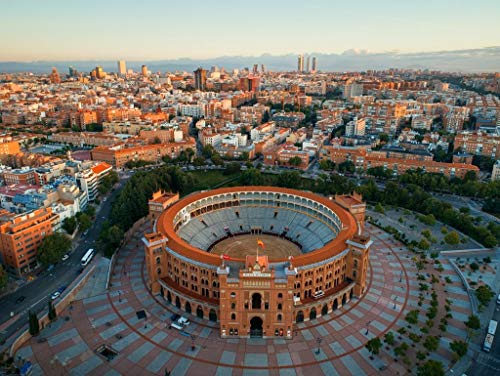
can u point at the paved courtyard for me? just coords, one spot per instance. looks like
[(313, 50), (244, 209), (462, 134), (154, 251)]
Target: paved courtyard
[(148, 347)]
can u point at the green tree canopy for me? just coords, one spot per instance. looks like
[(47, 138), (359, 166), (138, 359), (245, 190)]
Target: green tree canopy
[(452, 238), (459, 348), (69, 225), (84, 222), (431, 368), (53, 247), (374, 345)]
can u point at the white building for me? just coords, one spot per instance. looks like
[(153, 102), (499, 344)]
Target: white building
[(356, 127)]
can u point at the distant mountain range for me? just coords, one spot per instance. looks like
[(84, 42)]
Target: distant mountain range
[(473, 60)]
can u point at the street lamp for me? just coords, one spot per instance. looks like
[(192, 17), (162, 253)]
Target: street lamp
[(318, 340), (119, 296)]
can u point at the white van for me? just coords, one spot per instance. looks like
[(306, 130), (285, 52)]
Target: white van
[(498, 299), (183, 321)]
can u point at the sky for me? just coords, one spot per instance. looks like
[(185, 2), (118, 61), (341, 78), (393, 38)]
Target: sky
[(153, 29)]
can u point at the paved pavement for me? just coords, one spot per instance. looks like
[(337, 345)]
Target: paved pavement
[(147, 347), (37, 292)]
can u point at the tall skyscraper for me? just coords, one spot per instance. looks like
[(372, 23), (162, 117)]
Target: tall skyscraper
[(99, 72), (255, 69), (200, 79), (300, 63), (314, 68), (263, 68), (144, 70), (122, 67), (308, 63)]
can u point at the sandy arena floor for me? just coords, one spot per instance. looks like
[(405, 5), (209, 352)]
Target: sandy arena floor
[(242, 245)]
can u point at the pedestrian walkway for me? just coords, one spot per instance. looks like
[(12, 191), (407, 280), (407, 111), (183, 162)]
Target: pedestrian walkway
[(148, 347)]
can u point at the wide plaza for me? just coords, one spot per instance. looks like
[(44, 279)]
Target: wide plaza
[(331, 344)]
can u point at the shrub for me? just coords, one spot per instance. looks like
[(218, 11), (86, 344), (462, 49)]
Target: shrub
[(474, 266), (389, 338), (452, 238), (473, 322), (484, 294)]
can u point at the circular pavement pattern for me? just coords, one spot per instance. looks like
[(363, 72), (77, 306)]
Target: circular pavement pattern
[(331, 345)]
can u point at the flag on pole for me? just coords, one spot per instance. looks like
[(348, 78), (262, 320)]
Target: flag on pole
[(260, 243)]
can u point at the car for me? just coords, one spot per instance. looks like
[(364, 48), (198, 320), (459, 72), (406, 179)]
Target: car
[(20, 299), (498, 299), (176, 326), (175, 317), (65, 257), (85, 232), (55, 295), (61, 289), (184, 321), (104, 199)]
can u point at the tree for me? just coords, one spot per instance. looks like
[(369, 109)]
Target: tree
[(384, 137), (431, 368), (288, 179), (484, 294), (452, 238), (90, 211), (199, 161), (379, 208), (459, 348), (110, 238), (69, 225), (52, 311), (265, 117), (412, 316), (326, 164), (389, 338), (295, 161), (232, 168), (428, 219), (156, 140), (346, 166), (34, 325), (4, 278), (84, 222), (431, 343), (423, 244), (207, 151), (374, 345), (217, 159), (53, 247)]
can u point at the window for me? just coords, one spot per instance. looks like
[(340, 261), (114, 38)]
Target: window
[(233, 305), (280, 317), (280, 306), (233, 316), (280, 296)]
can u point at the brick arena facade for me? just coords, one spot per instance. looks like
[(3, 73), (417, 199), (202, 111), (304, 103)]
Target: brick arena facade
[(259, 295)]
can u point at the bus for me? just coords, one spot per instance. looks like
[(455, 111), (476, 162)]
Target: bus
[(492, 327), (87, 257)]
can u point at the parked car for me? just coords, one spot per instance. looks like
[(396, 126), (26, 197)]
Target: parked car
[(61, 289), (65, 257), (20, 299), (184, 321), (176, 326), (55, 295)]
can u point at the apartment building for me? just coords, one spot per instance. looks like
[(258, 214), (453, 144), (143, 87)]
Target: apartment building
[(89, 179), (479, 143), (364, 159), (119, 155), (21, 236), (8, 146)]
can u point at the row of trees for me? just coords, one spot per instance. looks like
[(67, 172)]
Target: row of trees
[(82, 220), (414, 198)]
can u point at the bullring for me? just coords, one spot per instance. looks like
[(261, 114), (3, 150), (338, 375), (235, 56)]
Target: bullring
[(248, 285)]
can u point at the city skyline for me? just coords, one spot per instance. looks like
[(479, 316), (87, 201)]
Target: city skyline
[(94, 31)]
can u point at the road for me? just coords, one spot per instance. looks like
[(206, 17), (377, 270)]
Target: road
[(485, 364), (38, 292)]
